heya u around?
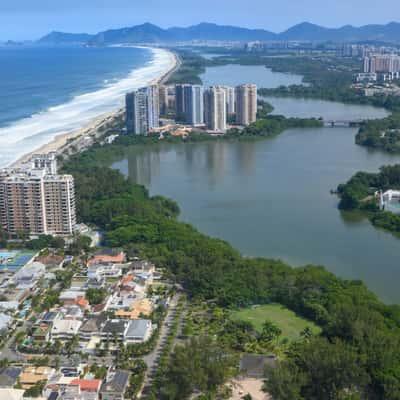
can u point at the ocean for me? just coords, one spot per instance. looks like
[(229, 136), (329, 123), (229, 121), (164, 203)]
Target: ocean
[(45, 92)]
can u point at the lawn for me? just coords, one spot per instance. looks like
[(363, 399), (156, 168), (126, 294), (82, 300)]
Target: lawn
[(290, 323)]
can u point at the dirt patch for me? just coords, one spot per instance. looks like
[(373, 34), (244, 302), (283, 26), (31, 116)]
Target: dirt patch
[(241, 387)]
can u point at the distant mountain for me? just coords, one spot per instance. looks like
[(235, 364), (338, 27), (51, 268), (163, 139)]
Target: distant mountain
[(56, 38), (311, 32), (149, 33), (207, 31), (146, 33)]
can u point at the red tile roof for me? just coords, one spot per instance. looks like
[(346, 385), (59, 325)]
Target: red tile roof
[(82, 302), (126, 279), (87, 385)]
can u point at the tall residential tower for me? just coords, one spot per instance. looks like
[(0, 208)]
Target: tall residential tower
[(36, 200), (142, 110), (246, 104), (215, 108), (194, 105)]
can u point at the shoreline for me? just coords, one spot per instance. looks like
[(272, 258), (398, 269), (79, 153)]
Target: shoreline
[(63, 141)]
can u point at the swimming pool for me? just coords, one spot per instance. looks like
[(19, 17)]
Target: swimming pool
[(7, 255), (394, 207)]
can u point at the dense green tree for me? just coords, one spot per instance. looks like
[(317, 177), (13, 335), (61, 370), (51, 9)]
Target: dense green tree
[(320, 370), (199, 366), (96, 296), (270, 331)]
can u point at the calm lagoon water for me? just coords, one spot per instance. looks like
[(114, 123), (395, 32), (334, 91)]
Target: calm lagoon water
[(238, 74), (272, 198)]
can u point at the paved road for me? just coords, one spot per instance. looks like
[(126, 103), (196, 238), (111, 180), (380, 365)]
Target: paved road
[(9, 351), (152, 358)]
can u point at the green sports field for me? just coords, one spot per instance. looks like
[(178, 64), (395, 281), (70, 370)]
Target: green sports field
[(290, 323)]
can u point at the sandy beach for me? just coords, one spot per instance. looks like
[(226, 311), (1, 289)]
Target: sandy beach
[(60, 143)]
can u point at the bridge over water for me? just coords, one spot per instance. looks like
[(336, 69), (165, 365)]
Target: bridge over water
[(343, 123)]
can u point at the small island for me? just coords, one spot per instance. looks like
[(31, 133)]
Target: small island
[(375, 195)]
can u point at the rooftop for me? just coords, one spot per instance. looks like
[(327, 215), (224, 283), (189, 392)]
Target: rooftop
[(89, 385), (254, 365), (8, 376), (4, 321), (107, 259), (71, 294), (93, 324), (66, 326), (50, 260), (138, 328), (115, 326), (50, 316), (116, 382)]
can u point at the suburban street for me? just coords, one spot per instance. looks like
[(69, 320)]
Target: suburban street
[(152, 358)]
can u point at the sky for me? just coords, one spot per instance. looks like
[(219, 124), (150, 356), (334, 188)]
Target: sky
[(31, 19)]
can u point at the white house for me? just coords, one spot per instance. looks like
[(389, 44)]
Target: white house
[(65, 329)]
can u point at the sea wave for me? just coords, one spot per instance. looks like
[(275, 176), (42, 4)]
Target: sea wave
[(28, 134)]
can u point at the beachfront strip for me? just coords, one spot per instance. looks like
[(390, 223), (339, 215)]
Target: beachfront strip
[(76, 328)]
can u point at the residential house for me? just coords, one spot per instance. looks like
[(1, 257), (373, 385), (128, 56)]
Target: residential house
[(70, 297), (14, 295), (5, 321), (114, 328), (107, 256), (49, 317), (121, 301), (71, 371), (253, 365), (127, 283), (139, 307), (57, 383), (65, 329), (91, 327), (8, 376), (30, 376), (139, 331), (74, 297), (144, 278), (74, 392), (78, 283), (115, 385), (9, 306), (28, 276), (104, 270), (96, 282), (72, 312), (51, 261), (41, 333), (87, 385), (142, 266)]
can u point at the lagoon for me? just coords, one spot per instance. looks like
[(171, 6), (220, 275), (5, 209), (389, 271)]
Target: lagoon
[(272, 197)]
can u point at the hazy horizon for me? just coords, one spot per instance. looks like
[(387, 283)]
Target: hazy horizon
[(22, 20)]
